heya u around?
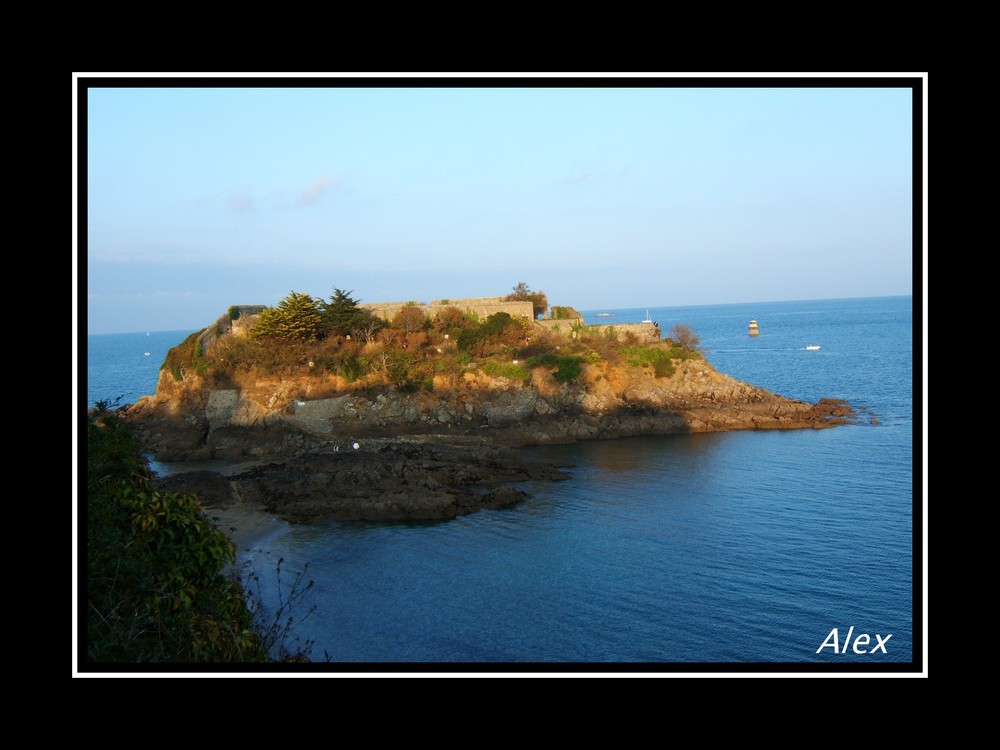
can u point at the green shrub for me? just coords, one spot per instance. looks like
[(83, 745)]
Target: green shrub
[(561, 312), (507, 370), (663, 368), (682, 352), (155, 585), (549, 360), (661, 360), (183, 356), (567, 367), (351, 368), (234, 312)]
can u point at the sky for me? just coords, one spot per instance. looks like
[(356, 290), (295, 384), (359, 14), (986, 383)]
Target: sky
[(209, 193)]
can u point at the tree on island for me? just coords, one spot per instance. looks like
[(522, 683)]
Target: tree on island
[(342, 316), (410, 319), (683, 335), (539, 302), (296, 317)]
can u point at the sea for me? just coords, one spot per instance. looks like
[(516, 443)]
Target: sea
[(791, 551)]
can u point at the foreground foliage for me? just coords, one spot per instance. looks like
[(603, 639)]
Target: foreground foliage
[(155, 585)]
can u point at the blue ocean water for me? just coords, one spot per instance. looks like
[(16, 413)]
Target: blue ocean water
[(127, 365), (733, 548)]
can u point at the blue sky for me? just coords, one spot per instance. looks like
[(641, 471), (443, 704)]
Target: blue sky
[(603, 197)]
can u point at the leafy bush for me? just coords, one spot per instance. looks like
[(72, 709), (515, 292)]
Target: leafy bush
[(566, 367), (155, 589), (661, 360), (182, 357), (234, 312), (539, 302), (408, 372), (410, 319), (562, 312), (489, 338), (352, 368), (452, 321), (663, 368)]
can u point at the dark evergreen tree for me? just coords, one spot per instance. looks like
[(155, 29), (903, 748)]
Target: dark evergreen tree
[(342, 316), (297, 316)]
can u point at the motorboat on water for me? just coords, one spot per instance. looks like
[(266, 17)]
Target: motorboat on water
[(813, 347), (754, 329)]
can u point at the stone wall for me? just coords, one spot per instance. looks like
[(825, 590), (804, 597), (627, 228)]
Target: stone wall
[(642, 331), (558, 326), (482, 307), (225, 324)]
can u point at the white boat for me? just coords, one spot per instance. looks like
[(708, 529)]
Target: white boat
[(812, 347), (648, 319)]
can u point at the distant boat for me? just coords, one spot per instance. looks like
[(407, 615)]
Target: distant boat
[(754, 330), (147, 354), (605, 315), (648, 319), (813, 347)]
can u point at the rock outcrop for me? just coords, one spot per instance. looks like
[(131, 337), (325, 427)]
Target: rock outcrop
[(191, 420), (437, 454)]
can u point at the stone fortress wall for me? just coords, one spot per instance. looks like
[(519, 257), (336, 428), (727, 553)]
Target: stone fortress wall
[(642, 331), (246, 316), (482, 307)]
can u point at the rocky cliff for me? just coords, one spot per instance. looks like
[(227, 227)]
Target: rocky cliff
[(194, 419), (309, 447)]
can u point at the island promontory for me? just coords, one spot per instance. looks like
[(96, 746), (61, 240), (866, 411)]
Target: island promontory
[(338, 409)]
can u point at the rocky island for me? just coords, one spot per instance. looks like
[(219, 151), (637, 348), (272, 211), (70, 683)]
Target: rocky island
[(401, 411)]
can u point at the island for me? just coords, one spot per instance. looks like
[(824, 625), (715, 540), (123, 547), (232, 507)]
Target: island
[(336, 409)]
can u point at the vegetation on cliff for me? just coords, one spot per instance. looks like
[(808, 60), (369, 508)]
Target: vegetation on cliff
[(340, 341), (539, 301), (155, 585)]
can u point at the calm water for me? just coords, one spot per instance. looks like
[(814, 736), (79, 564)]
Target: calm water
[(744, 548)]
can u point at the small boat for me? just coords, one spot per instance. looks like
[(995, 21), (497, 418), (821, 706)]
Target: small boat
[(754, 330), (647, 319), (813, 347), (147, 354), (605, 315)]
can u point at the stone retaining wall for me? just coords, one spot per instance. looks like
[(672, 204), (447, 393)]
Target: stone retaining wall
[(482, 307)]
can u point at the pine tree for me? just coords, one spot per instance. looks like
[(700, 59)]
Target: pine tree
[(297, 316), (342, 316)]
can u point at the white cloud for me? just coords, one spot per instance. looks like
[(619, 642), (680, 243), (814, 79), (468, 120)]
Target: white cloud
[(316, 188)]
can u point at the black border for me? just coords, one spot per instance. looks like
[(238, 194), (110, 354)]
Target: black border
[(915, 82)]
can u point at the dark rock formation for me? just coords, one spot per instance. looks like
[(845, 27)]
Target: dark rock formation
[(382, 480), (437, 454)]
